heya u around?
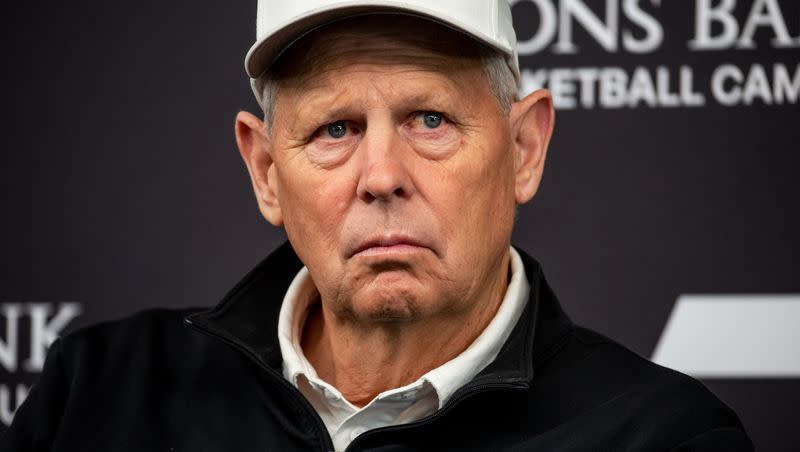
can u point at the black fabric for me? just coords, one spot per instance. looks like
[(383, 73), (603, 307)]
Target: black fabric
[(211, 381)]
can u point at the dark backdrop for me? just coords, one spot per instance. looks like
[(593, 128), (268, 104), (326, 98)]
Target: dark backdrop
[(123, 189)]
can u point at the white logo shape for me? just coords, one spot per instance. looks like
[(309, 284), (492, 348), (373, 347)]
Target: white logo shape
[(733, 336)]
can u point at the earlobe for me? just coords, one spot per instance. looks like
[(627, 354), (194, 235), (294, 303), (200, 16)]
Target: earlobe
[(254, 147), (531, 120)]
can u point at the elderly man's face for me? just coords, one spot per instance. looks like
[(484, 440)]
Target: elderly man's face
[(393, 171)]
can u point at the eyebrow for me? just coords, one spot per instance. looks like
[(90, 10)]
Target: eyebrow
[(323, 100)]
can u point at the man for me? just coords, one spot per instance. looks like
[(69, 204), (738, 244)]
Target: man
[(394, 153)]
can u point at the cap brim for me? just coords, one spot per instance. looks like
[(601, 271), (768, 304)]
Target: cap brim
[(265, 51)]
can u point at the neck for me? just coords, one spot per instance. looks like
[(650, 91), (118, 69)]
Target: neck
[(363, 360)]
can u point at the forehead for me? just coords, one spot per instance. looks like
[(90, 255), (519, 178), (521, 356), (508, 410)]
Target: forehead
[(387, 42)]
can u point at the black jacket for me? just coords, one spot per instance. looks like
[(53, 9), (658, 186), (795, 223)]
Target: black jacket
[(211, 381)]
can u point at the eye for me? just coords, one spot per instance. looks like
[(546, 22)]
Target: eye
[(334, 130), (431, 119), (337, 129)]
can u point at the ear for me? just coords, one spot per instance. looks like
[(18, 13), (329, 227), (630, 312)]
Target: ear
[(254, 146), (531, 120)]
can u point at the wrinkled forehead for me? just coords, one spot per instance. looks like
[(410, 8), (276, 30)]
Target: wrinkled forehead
[(378, 38)]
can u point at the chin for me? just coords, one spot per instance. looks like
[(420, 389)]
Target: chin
[(386, 303), (394, 311), (390, 293)]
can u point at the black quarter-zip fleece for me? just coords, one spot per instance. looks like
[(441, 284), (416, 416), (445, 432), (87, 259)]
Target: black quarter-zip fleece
[(211, 380)]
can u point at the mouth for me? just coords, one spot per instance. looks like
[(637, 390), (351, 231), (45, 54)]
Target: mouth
[(393, 244)]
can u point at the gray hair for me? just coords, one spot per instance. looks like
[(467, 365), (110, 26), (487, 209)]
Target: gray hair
[(500, 76)]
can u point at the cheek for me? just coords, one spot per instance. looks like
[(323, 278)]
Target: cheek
[(480, 198), (314, 207), (331, 200)]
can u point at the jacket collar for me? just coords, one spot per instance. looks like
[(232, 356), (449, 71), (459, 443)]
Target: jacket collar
[(248, 318)]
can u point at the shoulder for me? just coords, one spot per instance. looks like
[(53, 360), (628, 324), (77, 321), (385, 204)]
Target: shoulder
[(140, 328), (612, 389), (144, 340), (606, 370)]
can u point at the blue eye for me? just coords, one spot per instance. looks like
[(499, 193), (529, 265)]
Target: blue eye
[(337, 129), (432, 119)]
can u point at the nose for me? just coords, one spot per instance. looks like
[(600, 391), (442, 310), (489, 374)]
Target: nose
[(385, 173)]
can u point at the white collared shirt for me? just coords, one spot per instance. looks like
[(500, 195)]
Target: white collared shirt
[(409, 403)]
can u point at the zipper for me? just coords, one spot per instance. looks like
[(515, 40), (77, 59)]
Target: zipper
[(284, 383), (460, 395)]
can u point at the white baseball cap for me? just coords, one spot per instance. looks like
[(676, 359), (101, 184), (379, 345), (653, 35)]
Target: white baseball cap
[(280, 23)]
